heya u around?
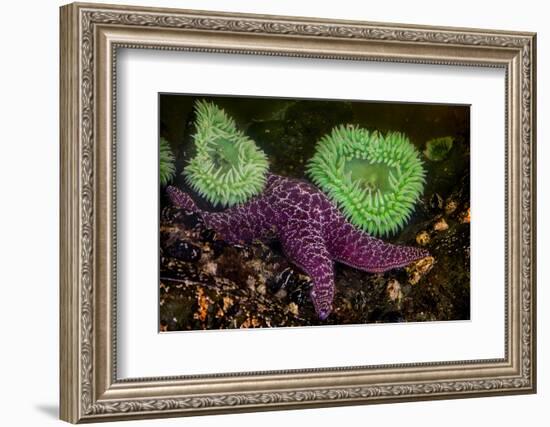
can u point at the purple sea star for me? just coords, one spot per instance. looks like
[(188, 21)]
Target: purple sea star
[(311, 229)]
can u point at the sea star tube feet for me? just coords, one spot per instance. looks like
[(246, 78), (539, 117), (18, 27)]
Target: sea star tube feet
[(312, 231)]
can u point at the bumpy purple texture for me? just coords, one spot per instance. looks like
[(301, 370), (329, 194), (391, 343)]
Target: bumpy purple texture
[(312, 232)]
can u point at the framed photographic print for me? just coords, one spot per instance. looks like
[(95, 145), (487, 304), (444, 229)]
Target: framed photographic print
[(266, 212)]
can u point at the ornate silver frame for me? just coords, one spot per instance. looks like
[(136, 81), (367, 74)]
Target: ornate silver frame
[(90, 36)]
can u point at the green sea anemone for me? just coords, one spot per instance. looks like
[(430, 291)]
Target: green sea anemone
[(375, 179), (228, 168), (167, 168), (438, 148)]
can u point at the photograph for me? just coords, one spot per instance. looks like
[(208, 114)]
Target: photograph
[(280, 212)]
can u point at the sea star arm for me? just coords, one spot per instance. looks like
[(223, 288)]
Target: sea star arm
[(356, 248), (235, 225), (305, 246)]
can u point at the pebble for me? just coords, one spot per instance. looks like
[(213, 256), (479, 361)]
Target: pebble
[(393, 288), (423, 238), (293, 308), (227, 302), (419, 269), (300, 294), (262, 252), (211, 268), (466, 217), (436, 201), (261, 289), (281, 294), (184, 251), (174, 215), (282, 280), (251, 282), (190, 220), (441, 225), (294, 285), (450, 206), (245, 252)]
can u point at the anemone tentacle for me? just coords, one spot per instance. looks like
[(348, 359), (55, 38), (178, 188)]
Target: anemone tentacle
[(167, 167), (228, 168), (375, 179)]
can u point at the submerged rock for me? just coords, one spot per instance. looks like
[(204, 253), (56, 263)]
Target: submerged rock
[(254, 286)]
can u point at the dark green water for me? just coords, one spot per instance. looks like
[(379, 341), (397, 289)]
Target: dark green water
[(287, 130)]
